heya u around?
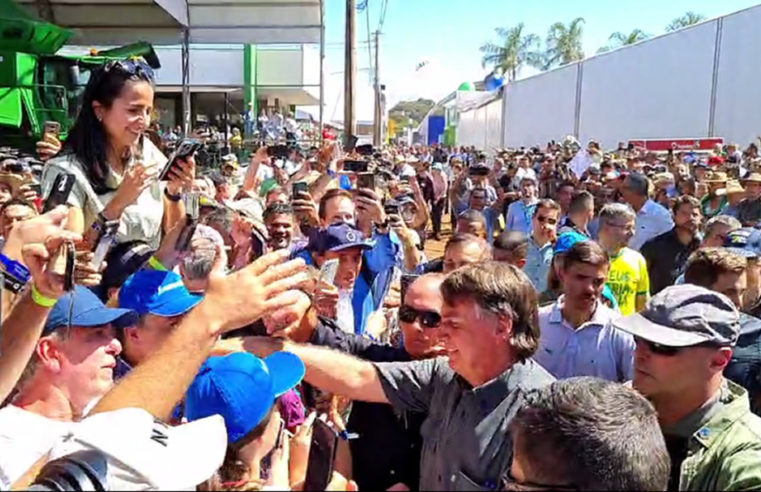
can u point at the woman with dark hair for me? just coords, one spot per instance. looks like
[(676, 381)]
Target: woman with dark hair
[(115, 166)]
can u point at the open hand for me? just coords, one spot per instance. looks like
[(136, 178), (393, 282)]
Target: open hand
[(242, 297)]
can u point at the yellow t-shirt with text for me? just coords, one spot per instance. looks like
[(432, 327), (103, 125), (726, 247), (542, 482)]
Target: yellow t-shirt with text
[(628, 278)]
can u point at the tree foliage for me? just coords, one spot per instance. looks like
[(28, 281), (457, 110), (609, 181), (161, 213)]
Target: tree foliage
[(514, 50), (688, 19), (563, 44), (410, 113), (618, 39)]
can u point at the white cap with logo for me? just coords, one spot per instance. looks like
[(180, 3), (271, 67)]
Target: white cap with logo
[(144, 453)]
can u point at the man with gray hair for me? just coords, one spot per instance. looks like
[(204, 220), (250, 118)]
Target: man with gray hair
[(490, 333), (712, 437), (652, 219), (716, 230), (628, 277)]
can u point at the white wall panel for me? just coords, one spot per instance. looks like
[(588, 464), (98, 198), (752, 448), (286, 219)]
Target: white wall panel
[(279, 67), (208, 66), (541, 108), (493, 126), (656, 89), (738, 99)]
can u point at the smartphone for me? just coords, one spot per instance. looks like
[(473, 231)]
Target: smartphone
[(52, 128), (59, 194), (366, 149), (355, 166), (391, 207), (258, 243), (106, 240), (328, 271), (36, 187), (322, 454), (278, 151), (186, 148), (192, 215), (62, 262), (366, 180), (405, 282), (299, 187), (280, 434)]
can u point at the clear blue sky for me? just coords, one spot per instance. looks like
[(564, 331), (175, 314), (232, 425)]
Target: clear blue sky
[(448, 34)]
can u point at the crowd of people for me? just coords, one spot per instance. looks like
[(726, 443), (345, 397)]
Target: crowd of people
[(281, 325)]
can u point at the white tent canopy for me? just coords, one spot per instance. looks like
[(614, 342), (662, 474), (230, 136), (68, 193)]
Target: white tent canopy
[(164, 21)]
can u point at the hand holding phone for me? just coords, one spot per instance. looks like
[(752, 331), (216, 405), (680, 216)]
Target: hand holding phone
[(185, 149)]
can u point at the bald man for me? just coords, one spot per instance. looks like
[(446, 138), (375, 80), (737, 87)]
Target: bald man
[(387, 451)]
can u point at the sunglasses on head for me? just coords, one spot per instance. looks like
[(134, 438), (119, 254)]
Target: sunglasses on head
[(428, 319), (136, 67), (668, 351)]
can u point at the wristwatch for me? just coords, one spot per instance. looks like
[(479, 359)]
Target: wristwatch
[(172, 198)]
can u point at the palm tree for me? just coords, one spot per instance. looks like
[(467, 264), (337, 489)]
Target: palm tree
[(564, 43), (688, 19), (516, 49), (618, 39)]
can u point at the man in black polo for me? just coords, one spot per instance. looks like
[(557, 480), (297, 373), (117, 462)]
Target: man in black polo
[(387, 449), (667, 254)]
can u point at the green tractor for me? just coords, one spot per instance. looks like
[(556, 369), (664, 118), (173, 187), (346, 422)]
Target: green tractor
[(38, 85)]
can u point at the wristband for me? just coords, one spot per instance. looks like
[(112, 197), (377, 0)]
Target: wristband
[(41, 300), (15, 269), (332, 174), (157, 265), (172, 198)]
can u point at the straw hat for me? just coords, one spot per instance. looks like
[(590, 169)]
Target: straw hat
[(753, 178), (732, 188), (716, 177)]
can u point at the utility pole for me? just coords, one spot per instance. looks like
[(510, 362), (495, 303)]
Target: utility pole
[(378, 117), (350, 64)]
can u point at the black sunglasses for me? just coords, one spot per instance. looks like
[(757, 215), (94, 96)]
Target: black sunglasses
[(428, 319), (667, 351), (136, 67)]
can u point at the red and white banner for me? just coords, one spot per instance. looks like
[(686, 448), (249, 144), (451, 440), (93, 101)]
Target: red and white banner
[(677, 144)]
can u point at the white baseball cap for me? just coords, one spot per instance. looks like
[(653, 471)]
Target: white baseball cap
[(144, 453)]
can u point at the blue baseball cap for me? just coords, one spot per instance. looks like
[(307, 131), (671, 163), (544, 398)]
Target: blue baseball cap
[(157, 292), (338, 237), (87, 311), (745, 242), (242, 388), (567, 240)]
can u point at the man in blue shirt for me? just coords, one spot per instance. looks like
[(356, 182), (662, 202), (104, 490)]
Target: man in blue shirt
[(520, 212), (577, 335), (491, 213)]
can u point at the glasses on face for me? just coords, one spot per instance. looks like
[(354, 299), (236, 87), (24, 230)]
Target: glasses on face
[(542, 219), (428, 319), (667, 351), (135, 67)]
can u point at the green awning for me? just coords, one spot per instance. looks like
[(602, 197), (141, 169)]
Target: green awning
[(20, 31)]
